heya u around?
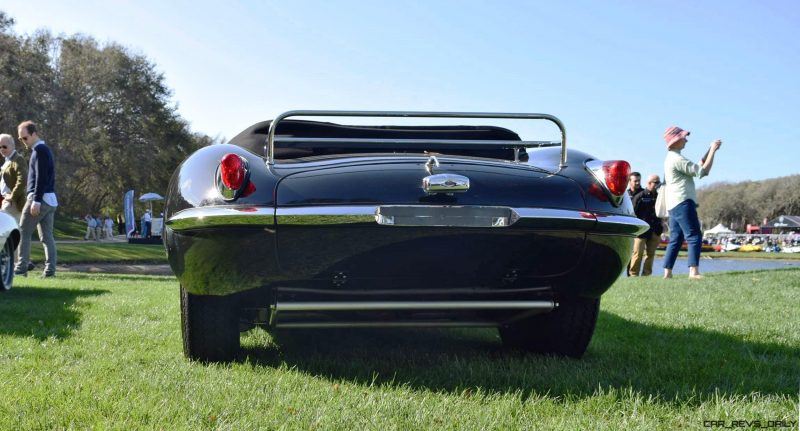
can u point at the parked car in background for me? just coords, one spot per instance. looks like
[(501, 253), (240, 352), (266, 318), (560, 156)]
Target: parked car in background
[(9, 238), (298, 224)]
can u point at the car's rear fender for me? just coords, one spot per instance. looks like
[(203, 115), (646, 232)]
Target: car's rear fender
[(194, 182), (210, 247)]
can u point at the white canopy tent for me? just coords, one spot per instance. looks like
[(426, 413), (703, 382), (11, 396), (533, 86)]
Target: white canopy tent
[(149, 198), (719, 229), (156, 222)]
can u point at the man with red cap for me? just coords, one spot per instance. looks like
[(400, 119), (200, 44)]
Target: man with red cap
[(681, 199)]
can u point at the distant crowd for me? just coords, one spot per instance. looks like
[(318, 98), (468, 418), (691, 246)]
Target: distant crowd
[(98, 228)]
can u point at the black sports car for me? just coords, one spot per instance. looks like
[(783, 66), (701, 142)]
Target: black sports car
[(297, 224)]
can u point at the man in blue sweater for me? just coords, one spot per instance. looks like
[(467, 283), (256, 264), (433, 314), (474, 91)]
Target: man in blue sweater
[(41, 203)]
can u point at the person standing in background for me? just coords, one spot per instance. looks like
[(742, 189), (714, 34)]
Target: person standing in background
[(98, 227), (109, 225), (120, 224), (40, 206), (644, 205), (13, 179), (90, 225), (681, 199), (634, 184), (147, 228)]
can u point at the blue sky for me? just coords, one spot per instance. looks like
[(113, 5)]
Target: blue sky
[(617, 73)]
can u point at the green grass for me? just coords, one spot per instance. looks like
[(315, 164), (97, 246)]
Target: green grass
[(68, 228), (103, 252), (740, 255), (85, 351)]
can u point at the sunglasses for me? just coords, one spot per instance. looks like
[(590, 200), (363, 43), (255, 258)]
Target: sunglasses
[(654, 182)]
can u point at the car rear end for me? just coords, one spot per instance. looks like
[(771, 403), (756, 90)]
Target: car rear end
[(405, 239)]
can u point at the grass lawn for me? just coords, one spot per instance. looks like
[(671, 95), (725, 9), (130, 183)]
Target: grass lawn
[(68, 228), (740, 255), (102, 252), (90, 351)]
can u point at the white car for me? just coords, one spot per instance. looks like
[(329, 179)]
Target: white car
[(9, 238)]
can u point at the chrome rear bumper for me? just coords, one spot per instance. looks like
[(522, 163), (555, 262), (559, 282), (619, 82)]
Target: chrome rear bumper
[(407, 215), (416, 313)]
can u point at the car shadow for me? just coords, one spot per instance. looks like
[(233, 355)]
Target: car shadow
[(683, 365), (41, 313)]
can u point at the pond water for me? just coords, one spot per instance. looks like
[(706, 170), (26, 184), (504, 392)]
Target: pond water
[(721, 264)]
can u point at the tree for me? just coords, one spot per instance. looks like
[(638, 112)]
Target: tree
[(749, 202), (107, 114)]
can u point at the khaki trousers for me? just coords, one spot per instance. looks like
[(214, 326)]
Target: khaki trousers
[(640, 247), (44, 222)]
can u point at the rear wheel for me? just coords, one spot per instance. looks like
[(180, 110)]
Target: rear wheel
[(210, 327), (7, 265), (565, 331)]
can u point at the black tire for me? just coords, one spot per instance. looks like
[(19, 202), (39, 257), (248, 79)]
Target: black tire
[(7, 265), (210, 327), (565, 331)]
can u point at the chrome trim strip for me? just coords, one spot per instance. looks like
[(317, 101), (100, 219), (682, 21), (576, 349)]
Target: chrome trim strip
[(553, 213), (625, 225), (552, 218), (209, 217), (323, 215), (414, 305), (413, 114), (387, 324), (328, 210)]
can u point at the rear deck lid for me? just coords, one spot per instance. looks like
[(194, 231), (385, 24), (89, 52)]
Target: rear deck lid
[(401, 181)]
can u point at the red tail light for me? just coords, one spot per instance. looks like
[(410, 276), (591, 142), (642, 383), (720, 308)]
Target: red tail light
[(233, 177), (232, 171), (612, 176), (616, 173)]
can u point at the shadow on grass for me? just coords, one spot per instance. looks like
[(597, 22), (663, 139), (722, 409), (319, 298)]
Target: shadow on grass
[(41, 312), (675, 365)]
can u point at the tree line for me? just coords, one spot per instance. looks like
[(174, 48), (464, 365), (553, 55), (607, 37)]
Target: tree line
[(106, 113), (749, 202)]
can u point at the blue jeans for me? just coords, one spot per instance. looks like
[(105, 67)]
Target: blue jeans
[(683, 223)]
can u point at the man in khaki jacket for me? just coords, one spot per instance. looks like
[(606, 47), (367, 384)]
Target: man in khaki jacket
[(13, 178)]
